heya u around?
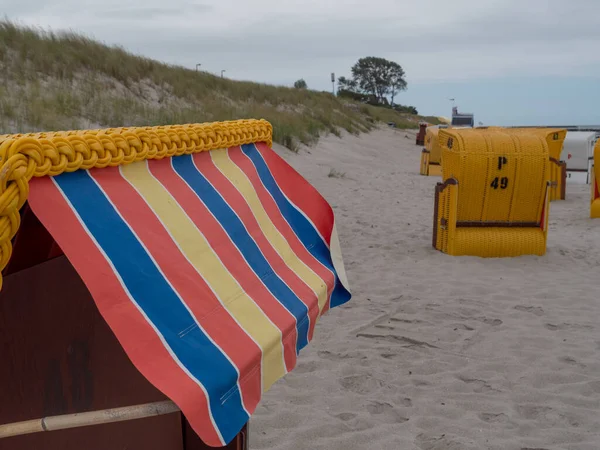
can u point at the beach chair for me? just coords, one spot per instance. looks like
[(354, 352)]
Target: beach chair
[(143, 277), (431, 156), (494, 199), (595, 205)]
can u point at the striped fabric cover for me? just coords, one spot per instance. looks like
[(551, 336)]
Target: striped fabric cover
[(212, 270)]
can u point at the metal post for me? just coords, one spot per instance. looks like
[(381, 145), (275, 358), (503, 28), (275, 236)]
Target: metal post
[(222, 72), (333, 83), (197, 66)]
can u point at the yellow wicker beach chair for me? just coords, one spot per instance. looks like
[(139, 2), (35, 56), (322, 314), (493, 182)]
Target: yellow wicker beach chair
[(595, 206), (494, 198), (431, 156)]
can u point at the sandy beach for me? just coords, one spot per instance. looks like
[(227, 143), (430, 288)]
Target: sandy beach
[(438, 352)]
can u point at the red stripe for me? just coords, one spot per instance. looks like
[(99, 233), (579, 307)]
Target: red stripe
[(192, 288), (231, 257), (237, 202), (308, 199), (246, 165), (138, 338)]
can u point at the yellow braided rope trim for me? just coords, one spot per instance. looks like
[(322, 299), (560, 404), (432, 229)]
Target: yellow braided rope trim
[(23, 157)]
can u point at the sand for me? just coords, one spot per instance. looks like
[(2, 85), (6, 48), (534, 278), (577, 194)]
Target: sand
[(438, 352)]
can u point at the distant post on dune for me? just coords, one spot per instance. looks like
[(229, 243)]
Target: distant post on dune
[(222, 72), (333, 83), (198, 66)]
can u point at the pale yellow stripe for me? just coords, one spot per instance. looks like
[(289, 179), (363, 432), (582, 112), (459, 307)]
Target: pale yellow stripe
[(197, 250), (239, 179)]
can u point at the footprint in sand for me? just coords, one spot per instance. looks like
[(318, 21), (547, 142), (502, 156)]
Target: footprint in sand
[(479, 386), (488, 321), (530, 309), (408, 342), (387, 412), (461, 326), (566, 326), (572, 361), (306, 367), (494, 418), (332, 356), (346, 416), (361, 384), (533, 412), (379, 408), (407, 402), (425, 442)]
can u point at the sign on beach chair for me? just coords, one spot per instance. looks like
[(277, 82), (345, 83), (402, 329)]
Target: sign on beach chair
[(208, 256), (595, 205), (431, 156), (493, 201)]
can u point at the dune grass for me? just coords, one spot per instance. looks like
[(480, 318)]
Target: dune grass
[(53, 81)]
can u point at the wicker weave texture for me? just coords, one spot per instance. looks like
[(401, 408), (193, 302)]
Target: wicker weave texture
[(595, 206), (499, 242), (433, 145), (555, 138), (502, 182), (424, 169), (501, 177), (434, 170)]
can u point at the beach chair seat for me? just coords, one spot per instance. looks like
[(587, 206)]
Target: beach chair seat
[(493, 201)]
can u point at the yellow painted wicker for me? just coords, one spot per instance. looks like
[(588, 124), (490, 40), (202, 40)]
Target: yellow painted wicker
[(424, 169), (595, 206), (24, 156), (555, 138), (431, 155), (494, 198)]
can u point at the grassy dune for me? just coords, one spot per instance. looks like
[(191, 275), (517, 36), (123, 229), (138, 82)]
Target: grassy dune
[(54, 81)]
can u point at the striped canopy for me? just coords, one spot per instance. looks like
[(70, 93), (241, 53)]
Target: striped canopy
[(212, 269)]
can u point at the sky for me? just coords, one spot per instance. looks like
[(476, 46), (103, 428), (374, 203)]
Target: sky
[(510, 62)]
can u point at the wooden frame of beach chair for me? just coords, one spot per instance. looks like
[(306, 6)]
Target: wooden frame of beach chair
[(63, 369), (494, 200), (420, 139), (595, 184), (431, 156)]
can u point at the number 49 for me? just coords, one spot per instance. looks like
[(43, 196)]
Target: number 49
[(502, 183)]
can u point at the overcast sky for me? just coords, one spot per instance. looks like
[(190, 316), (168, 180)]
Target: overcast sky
[(507, 61)]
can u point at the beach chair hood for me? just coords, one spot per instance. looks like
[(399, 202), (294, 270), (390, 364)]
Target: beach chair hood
[(209, 257)]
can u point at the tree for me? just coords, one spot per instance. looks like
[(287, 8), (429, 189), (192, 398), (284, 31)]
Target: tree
[(375, 78), (345, 84), (397, 81), (300, 84)]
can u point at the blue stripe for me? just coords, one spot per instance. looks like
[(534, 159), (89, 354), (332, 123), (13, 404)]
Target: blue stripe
[(305, 231), (159, 301), (240, 237)]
